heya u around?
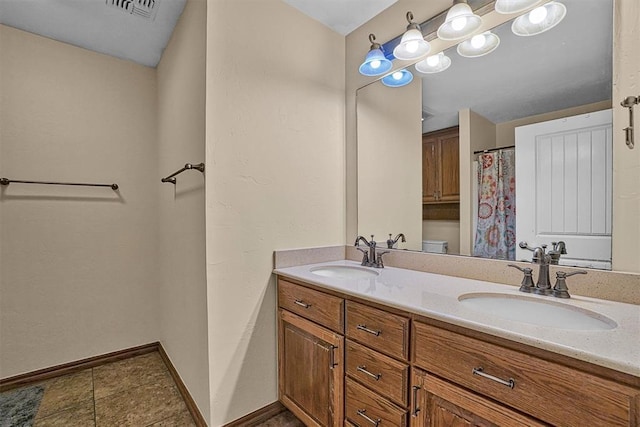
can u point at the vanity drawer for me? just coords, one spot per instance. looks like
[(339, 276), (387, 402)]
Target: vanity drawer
[(380, 373), (380, 330), (316, 306), (364, 408), (548, 391)]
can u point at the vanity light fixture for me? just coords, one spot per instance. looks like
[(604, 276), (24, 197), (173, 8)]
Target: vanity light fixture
[(539, 20), (459, 23), (398, 78), (479, 45), (412, 45), (434, 64), (375, 63), (507, 7)]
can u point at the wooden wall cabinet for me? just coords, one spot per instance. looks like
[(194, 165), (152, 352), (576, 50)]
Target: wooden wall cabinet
[(441, 166)]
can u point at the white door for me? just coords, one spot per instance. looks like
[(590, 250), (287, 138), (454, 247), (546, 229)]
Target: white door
[(564, 187)]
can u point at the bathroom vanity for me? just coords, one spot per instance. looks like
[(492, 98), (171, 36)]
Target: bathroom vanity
[(394, 347)]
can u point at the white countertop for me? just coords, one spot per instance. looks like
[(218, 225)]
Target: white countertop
[(436, 296)]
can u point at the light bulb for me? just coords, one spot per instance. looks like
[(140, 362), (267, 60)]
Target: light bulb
[(478, 41), (433, 60), (375, 64), (411, 46), (459, 23), (538, 15), (397, 75)]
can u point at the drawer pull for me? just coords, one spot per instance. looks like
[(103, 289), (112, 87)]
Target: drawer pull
[(415, 411), (372, 332), (361, 412), (480, 372), (333, 356), (363, 369), (302, 303)]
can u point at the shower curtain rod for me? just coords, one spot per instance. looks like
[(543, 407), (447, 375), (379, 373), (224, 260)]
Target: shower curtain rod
[(7, 181), (491, 150)]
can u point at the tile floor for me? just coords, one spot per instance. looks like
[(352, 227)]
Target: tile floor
[(133, 392)]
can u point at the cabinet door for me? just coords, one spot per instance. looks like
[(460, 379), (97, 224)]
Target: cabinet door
[(430, 185), (438, 403), (449, 168), (311, 370)]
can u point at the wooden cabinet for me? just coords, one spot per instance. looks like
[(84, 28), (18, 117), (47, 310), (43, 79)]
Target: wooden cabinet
[(343, 361), (550, 392), (438, 403), (310, 358), (441, 166)]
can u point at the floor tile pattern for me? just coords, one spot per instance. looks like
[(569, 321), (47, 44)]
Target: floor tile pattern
[(138, 392)]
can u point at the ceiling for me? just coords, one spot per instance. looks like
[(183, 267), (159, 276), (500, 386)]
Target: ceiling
[(567, 66), (135, 30), (342, 16)]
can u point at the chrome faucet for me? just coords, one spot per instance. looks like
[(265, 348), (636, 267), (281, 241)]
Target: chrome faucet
[(540, 257), (369, 259), (392, 242)]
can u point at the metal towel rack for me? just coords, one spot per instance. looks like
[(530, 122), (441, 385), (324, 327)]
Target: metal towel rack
[(171, 179), (7, 181)]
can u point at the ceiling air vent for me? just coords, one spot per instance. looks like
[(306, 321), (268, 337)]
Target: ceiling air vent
[(143, 8)]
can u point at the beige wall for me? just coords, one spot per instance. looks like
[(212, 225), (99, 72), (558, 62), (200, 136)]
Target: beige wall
[(78, 264), (182, 262), (443, 230), (626, 162), (275, 179), (389, 160)]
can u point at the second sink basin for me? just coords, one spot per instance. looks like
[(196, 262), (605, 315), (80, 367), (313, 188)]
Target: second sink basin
[(537, 311), (344, 272)]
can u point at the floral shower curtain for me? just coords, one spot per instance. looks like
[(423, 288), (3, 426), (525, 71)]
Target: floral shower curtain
[(496, 230)]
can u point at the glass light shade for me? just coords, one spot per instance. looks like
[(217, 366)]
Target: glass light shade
[(479, 45), (375, 63), (515, 6), (539, 20), (412, 46), (398, 78), (459, 23), (434, 64)]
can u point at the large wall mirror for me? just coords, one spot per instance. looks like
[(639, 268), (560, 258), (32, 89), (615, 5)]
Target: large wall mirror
[(545, 99)]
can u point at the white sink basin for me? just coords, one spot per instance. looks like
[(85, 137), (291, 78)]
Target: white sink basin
[(344, 272), (537, 311)]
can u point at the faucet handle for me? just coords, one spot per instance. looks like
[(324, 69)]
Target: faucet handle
[(560, 290), (527, 281), (365, 256), (379, 263)]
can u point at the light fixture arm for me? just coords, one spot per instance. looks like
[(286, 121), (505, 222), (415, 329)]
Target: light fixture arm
[(372, 39), (412, 25)]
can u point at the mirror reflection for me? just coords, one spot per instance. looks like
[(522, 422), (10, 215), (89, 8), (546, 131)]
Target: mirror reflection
[(512, 146)]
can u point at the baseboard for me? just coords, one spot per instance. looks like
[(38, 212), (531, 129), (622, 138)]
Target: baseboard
[(182, 388), (72, 367), (259, 416), (92, 362)]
